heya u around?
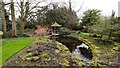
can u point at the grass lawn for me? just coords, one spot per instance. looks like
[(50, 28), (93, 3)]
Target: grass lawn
[(11, 46)]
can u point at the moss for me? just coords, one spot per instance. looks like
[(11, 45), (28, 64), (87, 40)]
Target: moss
[(62, 50), (115, 48), (79, 63), (29, 54), (93, 63), (57, 51), (65, 48), (63, 54), (64, 62), (110, 63), (102, 53), (45, 57), (36, 57), (28, 59), (110, 53), (77, 59), (35, 53), (96, 51), (44, 54), (43, 39), (28, 50)]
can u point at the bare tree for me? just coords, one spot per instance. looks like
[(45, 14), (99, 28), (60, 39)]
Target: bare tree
[(25, 8), (14, 34), (3, 17), (72, 6)]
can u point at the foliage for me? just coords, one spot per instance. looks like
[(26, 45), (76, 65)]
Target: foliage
[(106, 26), (27, 33), (90, 17), (101, 27), (8, 21), (65, 31), (116, 35), (7, 34), (31, 24), (61, 15)]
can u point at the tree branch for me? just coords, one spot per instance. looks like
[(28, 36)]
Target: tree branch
[(80, 7)]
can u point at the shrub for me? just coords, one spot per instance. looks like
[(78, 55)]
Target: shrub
[(116, 36), (65, 31), (7, 34)]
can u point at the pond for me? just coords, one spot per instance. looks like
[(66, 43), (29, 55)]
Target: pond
[(77, 47)]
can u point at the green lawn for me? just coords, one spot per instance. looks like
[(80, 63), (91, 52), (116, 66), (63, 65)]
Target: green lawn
[(11, 46)]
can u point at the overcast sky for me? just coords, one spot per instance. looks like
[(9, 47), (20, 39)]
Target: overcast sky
[(106, 6)]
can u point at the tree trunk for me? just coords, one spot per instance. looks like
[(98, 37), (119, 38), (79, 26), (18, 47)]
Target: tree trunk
[(21, 18), (24, 13), (3, 17), (13, 20)]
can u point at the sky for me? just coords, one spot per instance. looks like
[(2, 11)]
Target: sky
[(106, 6)]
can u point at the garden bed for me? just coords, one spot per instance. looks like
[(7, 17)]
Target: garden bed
[(44, 54)]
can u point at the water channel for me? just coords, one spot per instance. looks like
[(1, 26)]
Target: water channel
[(78, 48)]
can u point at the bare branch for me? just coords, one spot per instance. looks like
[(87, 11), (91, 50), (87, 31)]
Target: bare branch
[(80, 7), (35, 6), (18, 3), (6, 4)]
